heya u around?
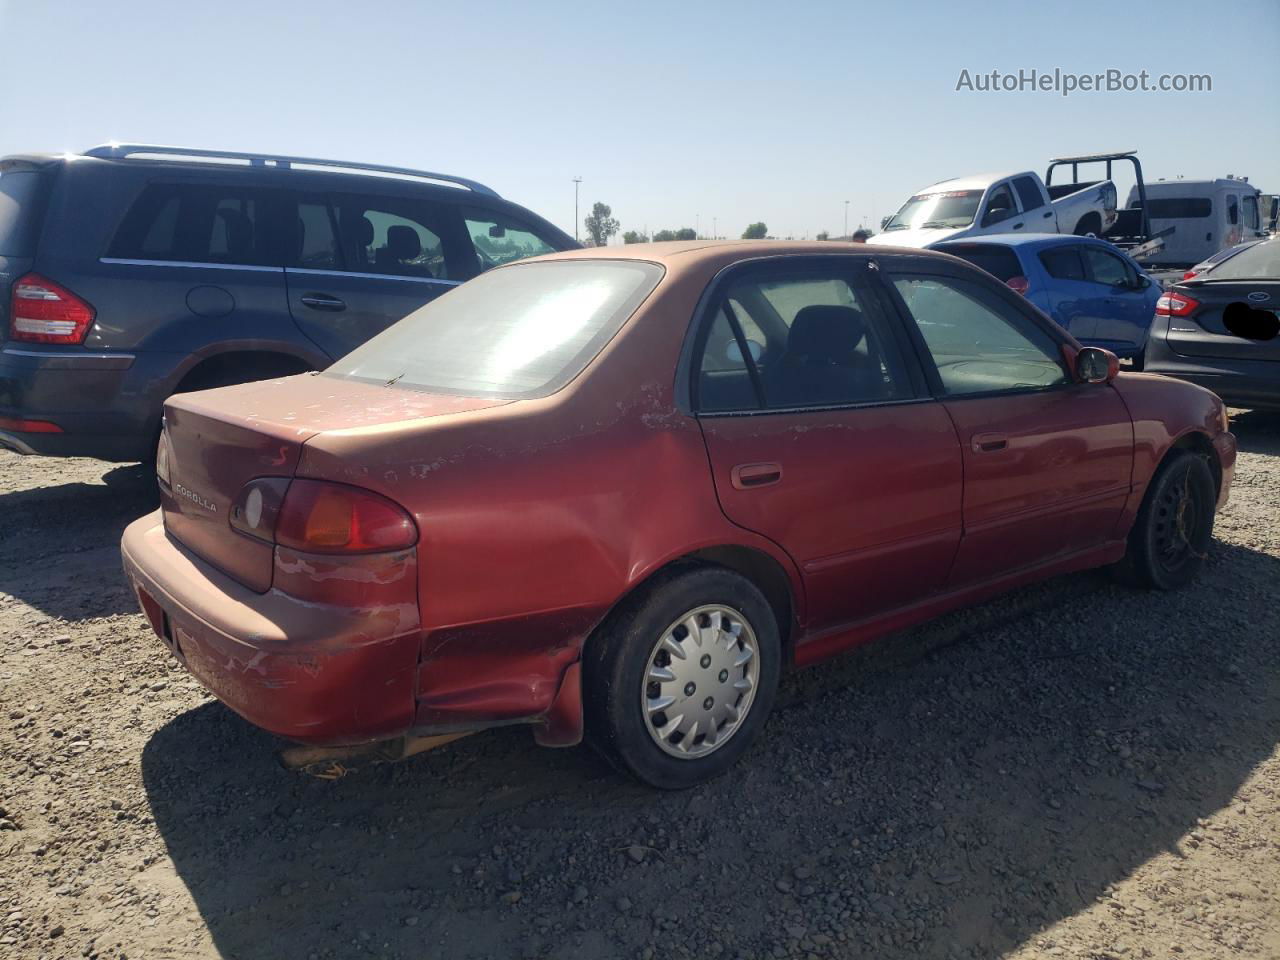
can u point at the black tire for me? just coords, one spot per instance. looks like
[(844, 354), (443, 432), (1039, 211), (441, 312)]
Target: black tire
[(618, 656), (1090, 225), (1170, 537)]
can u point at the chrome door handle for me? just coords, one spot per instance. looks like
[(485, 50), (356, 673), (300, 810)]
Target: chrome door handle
[(320, 301), (747, 475)]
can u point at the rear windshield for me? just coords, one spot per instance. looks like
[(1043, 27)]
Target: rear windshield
[(1259, 262), (522, 331), (20, 196), (999, 261)]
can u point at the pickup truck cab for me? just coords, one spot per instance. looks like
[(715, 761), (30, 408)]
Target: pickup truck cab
[(999, 203)]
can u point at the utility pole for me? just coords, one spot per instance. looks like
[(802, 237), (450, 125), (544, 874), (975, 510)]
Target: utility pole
[(697, 226), (715, 232), (576, 182), (846, 219)]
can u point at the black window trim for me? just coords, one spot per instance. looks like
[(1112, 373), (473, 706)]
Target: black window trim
[(1078, 249), (1088, 266), (688, 367), (1001, 293)]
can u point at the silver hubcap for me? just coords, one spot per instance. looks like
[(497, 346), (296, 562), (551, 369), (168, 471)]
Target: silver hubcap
[(700, 681)]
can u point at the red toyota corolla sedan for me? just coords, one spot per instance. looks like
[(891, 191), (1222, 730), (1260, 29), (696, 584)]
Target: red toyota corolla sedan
[(618, 491)]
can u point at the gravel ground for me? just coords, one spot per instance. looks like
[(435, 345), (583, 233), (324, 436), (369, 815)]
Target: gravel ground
[(1075, 770)]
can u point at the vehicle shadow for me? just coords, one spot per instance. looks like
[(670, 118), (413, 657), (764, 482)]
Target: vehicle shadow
[(1257, 431), (951, 791), (60, 544)]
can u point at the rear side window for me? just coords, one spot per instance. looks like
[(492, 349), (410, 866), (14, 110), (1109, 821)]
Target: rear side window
[(1179, 208), (21, 200), (1028, 193), (500, 239), (998, 260), (194, 223), (316, 242), (395, 236), (1063, 263), (524, 331)]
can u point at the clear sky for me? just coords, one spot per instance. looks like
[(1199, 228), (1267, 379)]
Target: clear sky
[(677, 114)]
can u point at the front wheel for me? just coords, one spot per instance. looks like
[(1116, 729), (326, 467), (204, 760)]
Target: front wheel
[(1170, 538), (680, 680)]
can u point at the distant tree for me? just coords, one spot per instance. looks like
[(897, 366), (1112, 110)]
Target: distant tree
[(662, 236), (600, 224), (862, 235), (757, 231), (634, 236), (686, 233), (823, 235)]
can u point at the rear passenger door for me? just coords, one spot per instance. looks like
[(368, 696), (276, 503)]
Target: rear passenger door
[(822, 438), (1073, 300), (360, 262)]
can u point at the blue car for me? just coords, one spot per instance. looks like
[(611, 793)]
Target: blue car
[(1086, 285)]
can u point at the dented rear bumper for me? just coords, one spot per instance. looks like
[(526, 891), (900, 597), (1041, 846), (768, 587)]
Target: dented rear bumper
[(311, 672)]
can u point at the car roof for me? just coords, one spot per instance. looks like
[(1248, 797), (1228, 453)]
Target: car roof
[(974, 181), (1021, 240), (708, 257)]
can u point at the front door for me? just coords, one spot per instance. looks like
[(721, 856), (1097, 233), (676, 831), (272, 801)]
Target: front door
[(822, 436), (1047, 461), (1125, 305)]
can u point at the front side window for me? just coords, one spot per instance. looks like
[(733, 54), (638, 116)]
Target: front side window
[(1106, 268), (1252, 219), (779, 342), (523, 331), (978, 343), (500, 239), (999, 207), (194, 223)]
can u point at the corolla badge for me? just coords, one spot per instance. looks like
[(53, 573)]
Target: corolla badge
[(1259, 297), (194, 497)]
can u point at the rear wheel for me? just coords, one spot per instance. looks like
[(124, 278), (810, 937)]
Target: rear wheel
[(1170, 538), (680, 680), (1090, 225)]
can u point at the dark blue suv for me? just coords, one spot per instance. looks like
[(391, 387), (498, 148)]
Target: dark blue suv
[(133, 272)]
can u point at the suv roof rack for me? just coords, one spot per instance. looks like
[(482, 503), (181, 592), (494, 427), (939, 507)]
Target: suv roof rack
[(123, 151)]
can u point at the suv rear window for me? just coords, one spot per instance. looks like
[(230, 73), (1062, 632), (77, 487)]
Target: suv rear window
[(997, 259), (194, 223), (522, 331), (21, 193)]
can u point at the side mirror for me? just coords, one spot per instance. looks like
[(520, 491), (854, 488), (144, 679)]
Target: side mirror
[(1143, 281), (1095, 365)]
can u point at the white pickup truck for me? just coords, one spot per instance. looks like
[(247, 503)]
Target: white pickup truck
[(1000, 203)]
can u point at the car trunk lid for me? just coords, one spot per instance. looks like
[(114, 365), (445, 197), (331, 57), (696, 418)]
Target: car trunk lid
[(218, 440), (1204, 332)]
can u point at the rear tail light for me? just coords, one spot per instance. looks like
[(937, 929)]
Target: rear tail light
[(1175, 305), (163, 457), (41, 311), (315, 516), (1018, 285), (1188, 275)]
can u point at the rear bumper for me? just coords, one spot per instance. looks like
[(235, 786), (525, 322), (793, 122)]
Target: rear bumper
[(106, 404), (310, 672), (1240, 383)]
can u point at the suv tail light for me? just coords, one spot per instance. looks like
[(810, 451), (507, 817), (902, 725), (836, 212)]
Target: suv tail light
[(42, 311), (316, 516), (1018, 285), (1174, 304), (1188, 275)]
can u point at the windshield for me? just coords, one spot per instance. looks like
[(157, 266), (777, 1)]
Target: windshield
[(518, 332), (1260, 262), (950, 208)]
